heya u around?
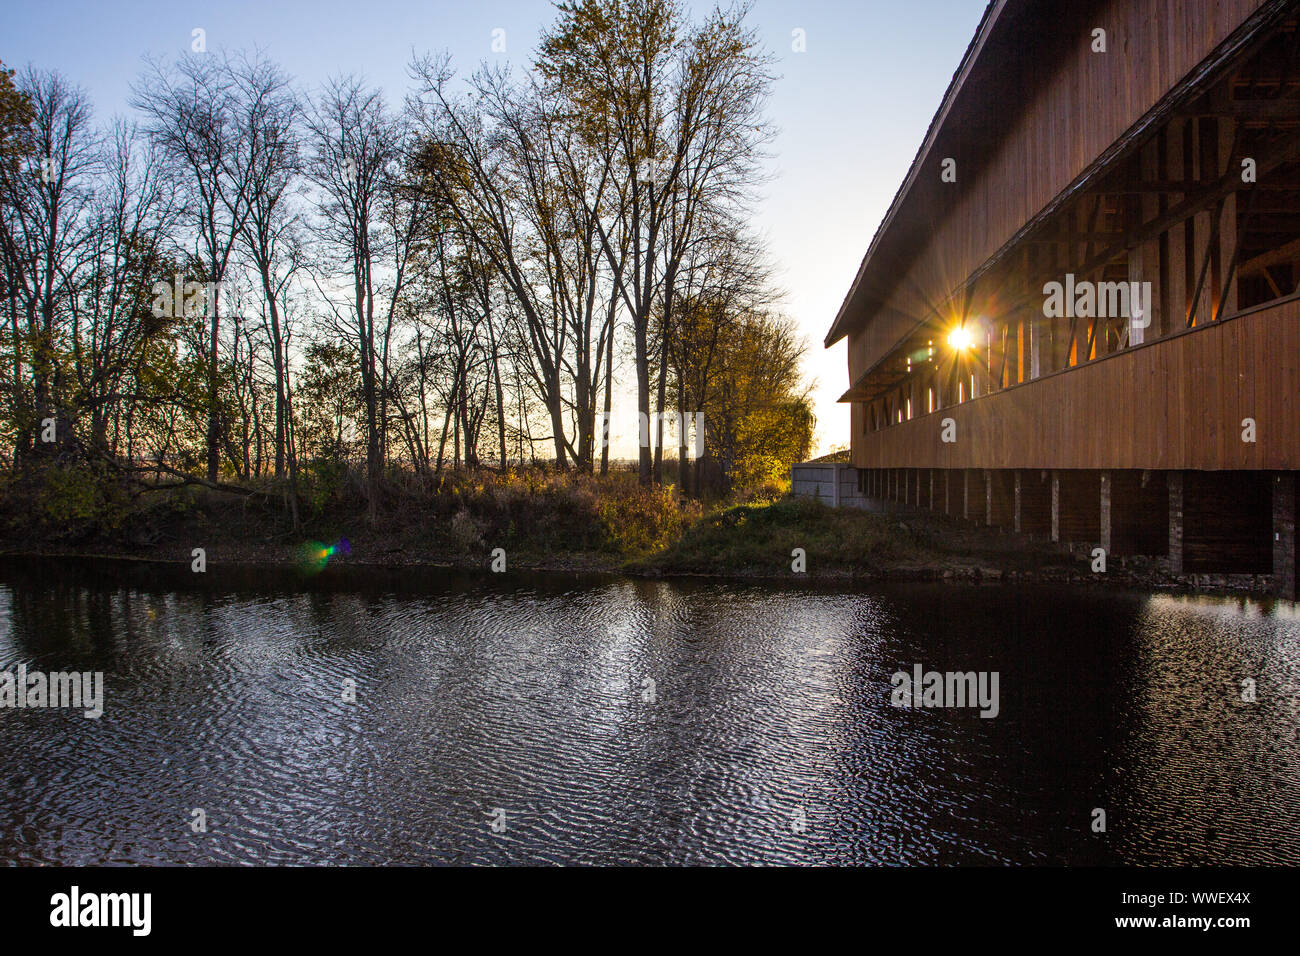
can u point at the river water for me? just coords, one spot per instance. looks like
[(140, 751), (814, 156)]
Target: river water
[(558, 719)]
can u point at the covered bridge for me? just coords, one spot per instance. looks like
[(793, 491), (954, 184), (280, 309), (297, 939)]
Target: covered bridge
[(1080, 316)]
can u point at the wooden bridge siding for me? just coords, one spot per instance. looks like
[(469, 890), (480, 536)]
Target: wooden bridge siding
[(1176, 403), (1084, 103)]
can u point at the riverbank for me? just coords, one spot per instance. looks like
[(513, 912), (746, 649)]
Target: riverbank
[(569, 523)]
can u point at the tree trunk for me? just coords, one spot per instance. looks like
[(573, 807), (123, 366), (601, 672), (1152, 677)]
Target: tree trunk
[(683, 441), (643, 404), (213, 426), (609, 397), (660, 400)]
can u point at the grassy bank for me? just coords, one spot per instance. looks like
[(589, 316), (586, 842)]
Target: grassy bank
[(539, 517), (542, 520), (762, 539)]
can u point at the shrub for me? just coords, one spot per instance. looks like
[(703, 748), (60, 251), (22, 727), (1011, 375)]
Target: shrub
[(465, 531)]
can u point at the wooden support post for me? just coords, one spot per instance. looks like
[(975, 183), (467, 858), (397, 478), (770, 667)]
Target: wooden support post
[(1144, 259), (1019, 522), (1035, 323), (1056, 506), (1174, 481), (1225, 299), (1284, 535), (1204, 224), (997, 361), (1015, 333), (1105, 512), (1060, 329), (1175, 277), (988, 498)]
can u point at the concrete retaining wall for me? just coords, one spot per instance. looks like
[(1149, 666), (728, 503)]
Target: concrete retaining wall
[(832, 483)]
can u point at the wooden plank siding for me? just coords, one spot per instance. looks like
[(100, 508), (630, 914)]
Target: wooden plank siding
[(1175, 403), (1077, 104)]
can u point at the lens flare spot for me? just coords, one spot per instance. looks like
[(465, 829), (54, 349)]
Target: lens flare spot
[(315, 555)]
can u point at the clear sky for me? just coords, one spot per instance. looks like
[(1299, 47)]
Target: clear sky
[(851, 109)]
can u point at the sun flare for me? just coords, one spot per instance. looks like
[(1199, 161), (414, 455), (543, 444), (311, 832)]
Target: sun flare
[(960, 338)]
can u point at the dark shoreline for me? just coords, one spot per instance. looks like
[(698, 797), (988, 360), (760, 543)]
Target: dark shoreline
[(961, 570)]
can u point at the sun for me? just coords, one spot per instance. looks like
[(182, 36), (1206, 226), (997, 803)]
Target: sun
[(960, 338)]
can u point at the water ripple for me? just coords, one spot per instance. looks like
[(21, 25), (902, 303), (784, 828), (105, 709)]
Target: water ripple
[(583, 722)]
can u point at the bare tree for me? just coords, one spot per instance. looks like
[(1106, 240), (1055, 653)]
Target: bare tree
[(268, 113), (192, 112), (45, 208), (114, 331), (678, 109), (370, 225)]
